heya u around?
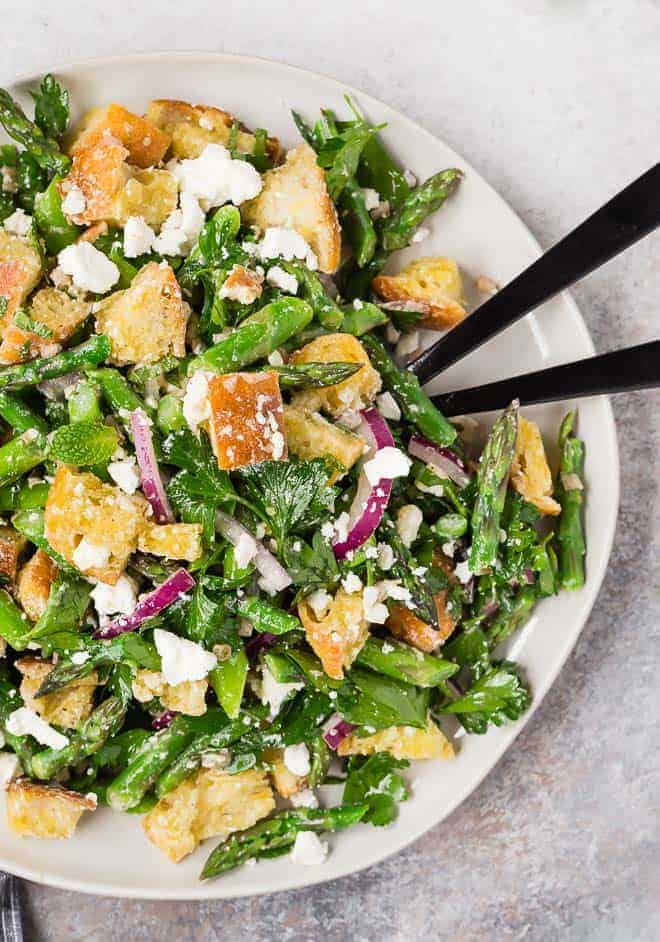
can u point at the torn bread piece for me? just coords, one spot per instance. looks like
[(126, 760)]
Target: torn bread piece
[(36, 810), (431, 286), (246, 419), (402, 742), (338, 637), (34, 583), (146, 143), (354, 393), (55, 316), (309, 435), (530, 472), (67, 707)]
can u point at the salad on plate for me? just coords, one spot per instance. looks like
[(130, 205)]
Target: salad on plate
[(248, 571)]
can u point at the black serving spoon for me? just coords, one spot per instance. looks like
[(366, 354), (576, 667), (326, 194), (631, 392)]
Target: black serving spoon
[(620, 371), (628, 217)]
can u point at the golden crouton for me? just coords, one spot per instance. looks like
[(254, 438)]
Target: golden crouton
[(309, 435), (172, 540), (66, 707), (530, 474), (34, 582), (188, 697), (433, 285), (242, 285), (56, 311), (192, 127), (146, 144), (356, 392), (35, 810), (80, 505), (20, 271), (100, 173), (285, 782), (295, 196), (152, 194), (147, 321), (403, 742), (12, 545), (406, 625), (246, 419), (338, 637), (211, 803)]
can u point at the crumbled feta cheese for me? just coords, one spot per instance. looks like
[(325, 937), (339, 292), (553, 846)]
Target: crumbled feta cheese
[(385, 556), (381, 211), (422, 233), (274, 693), (74, 202), (10, 768), (88, 555), (196, 405), (463, 572), (79, 657), (392, 334), (278, 443), (388, 406), (408, 521), (119, 599), (19, 223), (387, 463), (90, 269), (25, 722), (275, 358), (216, 760), (341, 527), (138, 237), (387, 648), (296, 759), (319, 601), (281, 279), (181, 229), (327, 530), (437, 490), (392, 589), (351, 583), (125, 474), (304, 799), (449, 548), (371, 198), (410, 178), (374, 610), (245, 550), (181, 659), (309, 849), (408, 343), (215, 178), (9, 181), (287, 244)]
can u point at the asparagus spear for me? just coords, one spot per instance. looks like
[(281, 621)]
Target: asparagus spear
[(314, 375), (413, 401), (14, 624), (88, 354), (570, 495), (266, 617), (44, 150), (277, 835), (83, 403), (21, 418), (104, 722), (118, 393), (492, 480), (228, 680), (23, 496), (50, 219), (360, 320), (21, 454), (328, 314)]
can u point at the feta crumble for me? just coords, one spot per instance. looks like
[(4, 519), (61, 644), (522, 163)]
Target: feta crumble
[(371, 198), (351, 583), (181, 229), (273, 693), (181, 659), (90, 269), (422, 233), (138, 237), (79, 657), (19, 223), (196, 405), (309, 849), (385, 556), (304, 799), (408, 344), (278, 278), (285, 243), (119, 599), (245, 550), (388, 406), (25, 722), (215, 178), (408, 521), (74, 202), (296, 759), (125, 474), (319, 601), (88, 555), (463, 572), (10, 768), (387, 463)]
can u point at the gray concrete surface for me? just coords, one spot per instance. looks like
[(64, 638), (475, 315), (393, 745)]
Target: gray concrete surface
[(555, 101)]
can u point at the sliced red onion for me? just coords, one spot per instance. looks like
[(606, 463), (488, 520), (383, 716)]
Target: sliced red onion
[(491, 608), (370, 501), (163, 720), (441, 458), (152, 483), (530, 578), (336, 729), (258, 643), (163, 595), (275, 576)]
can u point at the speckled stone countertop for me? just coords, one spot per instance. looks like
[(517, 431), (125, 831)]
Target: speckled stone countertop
[(555, 102)]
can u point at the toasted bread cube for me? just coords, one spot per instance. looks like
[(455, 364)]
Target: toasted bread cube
[(285, 782), (80, 505), (147, 321), (246, 419), (172, 540), (295, 196), (35, 810), (66, 707), (34, 582), (58, 312), (402, 742), (12, 545), (353, 393), (192, 127), (530, 473), (100, 173), (146, 144), (338, 637), (432, 285), (242, 285), (309, 435), (152, 194), (406, 625), (210, 803), (188, 697), (20, 271)]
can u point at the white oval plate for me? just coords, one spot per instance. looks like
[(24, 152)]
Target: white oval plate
[(109, 853)]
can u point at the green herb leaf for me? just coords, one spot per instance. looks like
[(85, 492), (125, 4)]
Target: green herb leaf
[(499, 696), (84, 444), (51, 107), (374, 782)]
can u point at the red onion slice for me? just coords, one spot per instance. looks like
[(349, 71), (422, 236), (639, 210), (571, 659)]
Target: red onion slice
[(448, 463), (275, 576), (163, 595), (336, 729), (163, 720), (152, 483), (370, 501)]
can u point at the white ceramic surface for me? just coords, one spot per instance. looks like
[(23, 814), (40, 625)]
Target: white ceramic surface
[(109, 854)]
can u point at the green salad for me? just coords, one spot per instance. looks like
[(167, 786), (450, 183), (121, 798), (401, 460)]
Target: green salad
[(242, 554)]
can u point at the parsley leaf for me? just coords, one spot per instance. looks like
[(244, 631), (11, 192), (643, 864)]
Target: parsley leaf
[(374, 781), (498, 696), (51, 107)]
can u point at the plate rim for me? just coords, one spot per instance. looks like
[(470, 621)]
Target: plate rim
[(209, 891)]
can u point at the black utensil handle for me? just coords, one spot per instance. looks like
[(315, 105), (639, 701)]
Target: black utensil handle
[(619, 371), (629, 216)]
